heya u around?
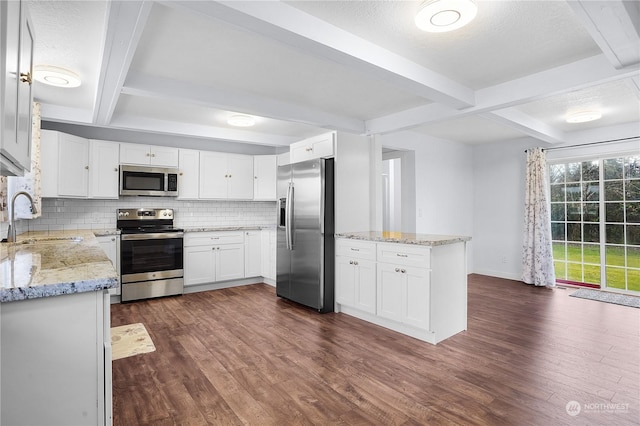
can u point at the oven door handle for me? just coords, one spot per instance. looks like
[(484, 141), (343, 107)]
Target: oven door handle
[(152, 236)]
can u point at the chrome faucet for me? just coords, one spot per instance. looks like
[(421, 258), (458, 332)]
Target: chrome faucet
[(11, 235)]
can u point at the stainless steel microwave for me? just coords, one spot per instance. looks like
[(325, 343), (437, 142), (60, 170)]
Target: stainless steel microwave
[(145, 180)]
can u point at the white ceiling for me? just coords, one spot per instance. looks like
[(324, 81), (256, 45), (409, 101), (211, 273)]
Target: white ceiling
[(302, 67)]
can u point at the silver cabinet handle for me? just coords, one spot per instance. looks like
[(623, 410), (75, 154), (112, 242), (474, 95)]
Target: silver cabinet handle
[(354, 249), (355, 263), (397, 269), (402, 255), (403, 271), (351, 262)]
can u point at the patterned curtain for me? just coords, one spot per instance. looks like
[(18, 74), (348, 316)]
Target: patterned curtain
[(537, 250)]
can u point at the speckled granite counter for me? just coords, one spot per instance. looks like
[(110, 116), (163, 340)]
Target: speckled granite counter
[(224, 228), (44, 264), (405, 238)]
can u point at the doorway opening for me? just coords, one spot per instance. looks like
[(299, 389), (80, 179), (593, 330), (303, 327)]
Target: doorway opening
[(398, 191)]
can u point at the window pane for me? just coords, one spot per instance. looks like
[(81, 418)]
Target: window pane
[(591, 191), (633, 257), (573, 172), (632, 167), (573, 192), (574, 272), (591, 170), (591, 212), (574, 252), (592, 274), (574, 232), (614, 212), (633, 235), (591, 233), (561, 270), (558, 251), (615, 234), (632, 189), (633, 212), (591, 253), (574, 213), (615, 256), (557, 231), (557, 211), (633, 279), (613, 168), (557, 192), (615, 277), (613, 191), (556, 173)]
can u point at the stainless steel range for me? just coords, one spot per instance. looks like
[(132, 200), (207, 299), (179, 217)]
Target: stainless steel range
[(150, 254)]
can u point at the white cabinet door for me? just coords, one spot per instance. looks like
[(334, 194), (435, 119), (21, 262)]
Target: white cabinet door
[(264, 179), (199, 265), (73, 173), (189, 175), (163, 156), (229, 262), (389, 291), (104, 158), (111, 246), (133, 153), (49, 168), (252, 253), (240, 177), (322, 146), (345, 281), (25, 93), (416, 303), (213, 175), (365, 286)]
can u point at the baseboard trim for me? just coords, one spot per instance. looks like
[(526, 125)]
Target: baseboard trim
[(498, 274)]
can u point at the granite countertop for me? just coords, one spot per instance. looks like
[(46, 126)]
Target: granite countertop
[(405, 238), (45, 264), (225, 228)]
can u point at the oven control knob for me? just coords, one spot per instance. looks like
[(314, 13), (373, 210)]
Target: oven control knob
[(126, 214), (120, 214), (165, 214)]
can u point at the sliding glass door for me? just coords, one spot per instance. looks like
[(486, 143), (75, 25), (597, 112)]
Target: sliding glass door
[(595, 221)]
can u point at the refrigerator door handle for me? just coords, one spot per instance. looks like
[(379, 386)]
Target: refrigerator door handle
[(289, 235)]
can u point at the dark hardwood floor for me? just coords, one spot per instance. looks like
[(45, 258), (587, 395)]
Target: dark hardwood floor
[(243, 356)]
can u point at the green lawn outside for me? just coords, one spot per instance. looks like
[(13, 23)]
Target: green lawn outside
[(573, 260)]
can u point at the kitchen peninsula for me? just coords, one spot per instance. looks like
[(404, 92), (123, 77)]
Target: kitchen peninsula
[(415, 284), (55, 329)]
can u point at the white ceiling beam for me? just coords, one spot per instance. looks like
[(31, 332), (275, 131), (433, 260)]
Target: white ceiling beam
[(50, 112), (288, 25), (233, 100), (526, 124), (578, 75), (125, 23), (195, 130), (619, 131), (615, 27)]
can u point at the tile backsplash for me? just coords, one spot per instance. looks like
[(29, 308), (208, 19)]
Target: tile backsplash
[(64, 214)]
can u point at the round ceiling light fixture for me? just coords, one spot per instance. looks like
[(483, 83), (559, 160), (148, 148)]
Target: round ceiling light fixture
[(438, 16), (583, 116), (241, 120), (56, 76)]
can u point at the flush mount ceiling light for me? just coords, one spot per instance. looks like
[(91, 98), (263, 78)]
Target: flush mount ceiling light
[(583, 116), (56, 76), (438, 16), (241, 120)]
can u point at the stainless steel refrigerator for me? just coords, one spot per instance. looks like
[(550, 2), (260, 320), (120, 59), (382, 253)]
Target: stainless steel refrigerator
[(305, 257)]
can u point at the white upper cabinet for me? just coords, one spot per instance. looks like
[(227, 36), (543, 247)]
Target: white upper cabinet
[(16, 96), (189, 174), (148, 155), (104, 158), (226, 176), (78, 168), (322, 146), (265, 169)]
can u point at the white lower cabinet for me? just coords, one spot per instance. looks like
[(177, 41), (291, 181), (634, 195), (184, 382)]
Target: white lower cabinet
[(417, 290), (253, 253), (213, 256)]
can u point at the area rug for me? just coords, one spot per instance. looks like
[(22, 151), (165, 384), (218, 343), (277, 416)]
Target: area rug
[(604, 296), (129, 340)]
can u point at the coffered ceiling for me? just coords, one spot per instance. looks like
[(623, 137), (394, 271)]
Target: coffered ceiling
[(302, 67)]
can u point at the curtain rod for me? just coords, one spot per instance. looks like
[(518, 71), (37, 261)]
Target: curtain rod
[(589, 143)]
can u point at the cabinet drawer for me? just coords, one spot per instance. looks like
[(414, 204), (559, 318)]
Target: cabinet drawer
[(356, 249), (212, 238), (404, 254)]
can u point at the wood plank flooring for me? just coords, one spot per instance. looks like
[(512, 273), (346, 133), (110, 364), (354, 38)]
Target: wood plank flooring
[(242, 356)]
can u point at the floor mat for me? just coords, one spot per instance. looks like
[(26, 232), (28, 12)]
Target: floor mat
[(129, 340), (604, 296)]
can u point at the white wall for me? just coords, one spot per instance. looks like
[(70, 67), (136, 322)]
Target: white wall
[(444, 184)]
